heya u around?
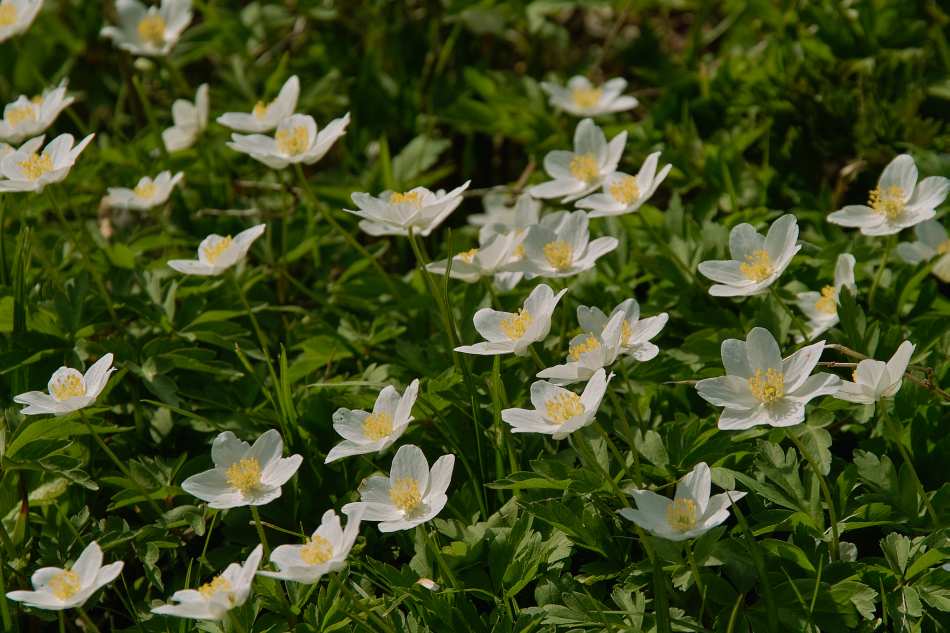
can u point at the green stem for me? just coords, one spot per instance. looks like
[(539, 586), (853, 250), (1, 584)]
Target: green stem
[(662, 604), (796, 320), (4, 605), (437, 553), (697, 579), (90, 625), (825, 491), (894, 431), (62, 622), (879, 273), (537, 358), (770, 608), (260, 531)]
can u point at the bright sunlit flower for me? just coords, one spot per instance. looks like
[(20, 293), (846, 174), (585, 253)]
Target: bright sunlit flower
[(690, 514), (490, 259), (563, 251), (898, 201), (146, 194), (216, 253), (635, 333), (149, 31), (26, 117), (69, 390), (55, 589), (821, 308), (581, 98), (393, 212), (190, 120), (509, 332), (243, 475), (324, 552), (558, 412), (374, 432), (578, 173), (623, 193), (409, 496), (296, 141), (932, 241), (589, 352), (16, 16), (265, 116), (875, 379), (28, 169), (213, 599), (756, 262)]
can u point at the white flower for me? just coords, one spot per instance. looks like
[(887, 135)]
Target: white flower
[(16, 16), (393, 212), (558, 412), (324, 552), (27, 169), (690, 514), (760, 387), (243, 475), (897, 202), (216, 253), (756, 262), (581, 98), (149, 31), (55, 589), (578, 173), (589, 352), (411, 495), (623, 193), (190, 119), (931, 242), (25, 117), (822, 308), (490, 258), (147, 193), (875, 379), (502, 217), (265, 116), (213, 600), (507, 332), (69, 390), (374, 432), (563, 251), (296, 141)]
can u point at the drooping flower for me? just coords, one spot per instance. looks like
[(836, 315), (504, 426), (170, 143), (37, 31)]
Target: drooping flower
[(213, 599), (296, 141), (690, 514), (264, 117), (69, 390), (623, 193), (898, 201), (324, 552), (578, 173), (491, 258), (149, 31), (508, 332), (394, 213), (564, 251), (216, 253), (821, 308), (932, 241), (56, 589), (581, 98), (146, 194), (558, 412), (760, 387), (756, 262), (588, 353), (635, 333), (410, 495), (875, 379), (26, 117), (243, 475), (16, 16), (28, 169), (374, 432), (190, 120)]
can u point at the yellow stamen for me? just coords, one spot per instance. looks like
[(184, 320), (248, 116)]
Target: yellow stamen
[(626, 332), (768, 386), (559, 254), (518, 252), (625, 190), (293, 141), (15, 116), (681, 515), (216, 585), (37, 100), (7, 14), (376, 426), (584, 167), (214, 250), (145, 190), (410, 197), (65, 584), (405, 494), (563, 407), (151, 30), (316, 551), (586, 97), (69, 386), (468, 256), (589, 344), (260, 109), (244, 474), (516, 325), (943, 248), (828, 302), (36, 165), (889, 201), (757, 265)]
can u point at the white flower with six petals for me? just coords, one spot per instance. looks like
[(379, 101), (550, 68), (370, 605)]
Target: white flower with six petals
[(149, 31), (190, 120), (69, 390), (394, 212), (932, 241), (324, 552), (296, 141), (16, 16), (28, 169), (821, 308), (623, 193), (508, 332), (578, 173), (563, 251), (875, 379), (265, 116), (216, 253), (146, 194), (559, 412), (374, 432), (581, 98), (26, 117)]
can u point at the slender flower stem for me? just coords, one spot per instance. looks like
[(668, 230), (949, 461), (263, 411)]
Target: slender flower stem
[(879, 273), (537, 358), (825, 491), (437, 553), (260, 531), (661, 603), (894, 431), (796, 321), (697, 579), (87, 621), (759, 564)]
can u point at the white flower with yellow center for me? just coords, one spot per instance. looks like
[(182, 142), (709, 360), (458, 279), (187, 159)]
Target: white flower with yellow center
[(760, 388), (898, 201), (213, 599), (558, 412), (513, 332), (217, 253), (563, 251), (265, 116), (821, 308), (623, 193), (690, 514), (324, 552), (16, 16), (635, 333), (190, 120), (875, 379), (578, 173), (581, 98), (29, 169), (243, 475), (55, 589), (490, 259), (394, 212), (932, 241), (409, 496), (149, 31), (28, 117), (146, 194), (756, 262), (589, 352), (295, 141), (374, 432), (69, 390)]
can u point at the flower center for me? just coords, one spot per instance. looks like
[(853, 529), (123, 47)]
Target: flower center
[(244, 474), (316, 551), (68, 386), (584, 167), (828, 302), (767, 386), (626, 332), (65, 584), (586, 97), (145, 191), (589, 344), (260, 109), (214, 250), (681, 515), (888, 201), (944, 247), (152, 30), (410, 197), (216, 585), (16, 116), (563, 407), (559, 254), (757, 265), (376, 426), (518, 252), (36, 165), (293, 141), (625, 190), (516, 325), (468, 256), (405, 494), (7, 14)]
